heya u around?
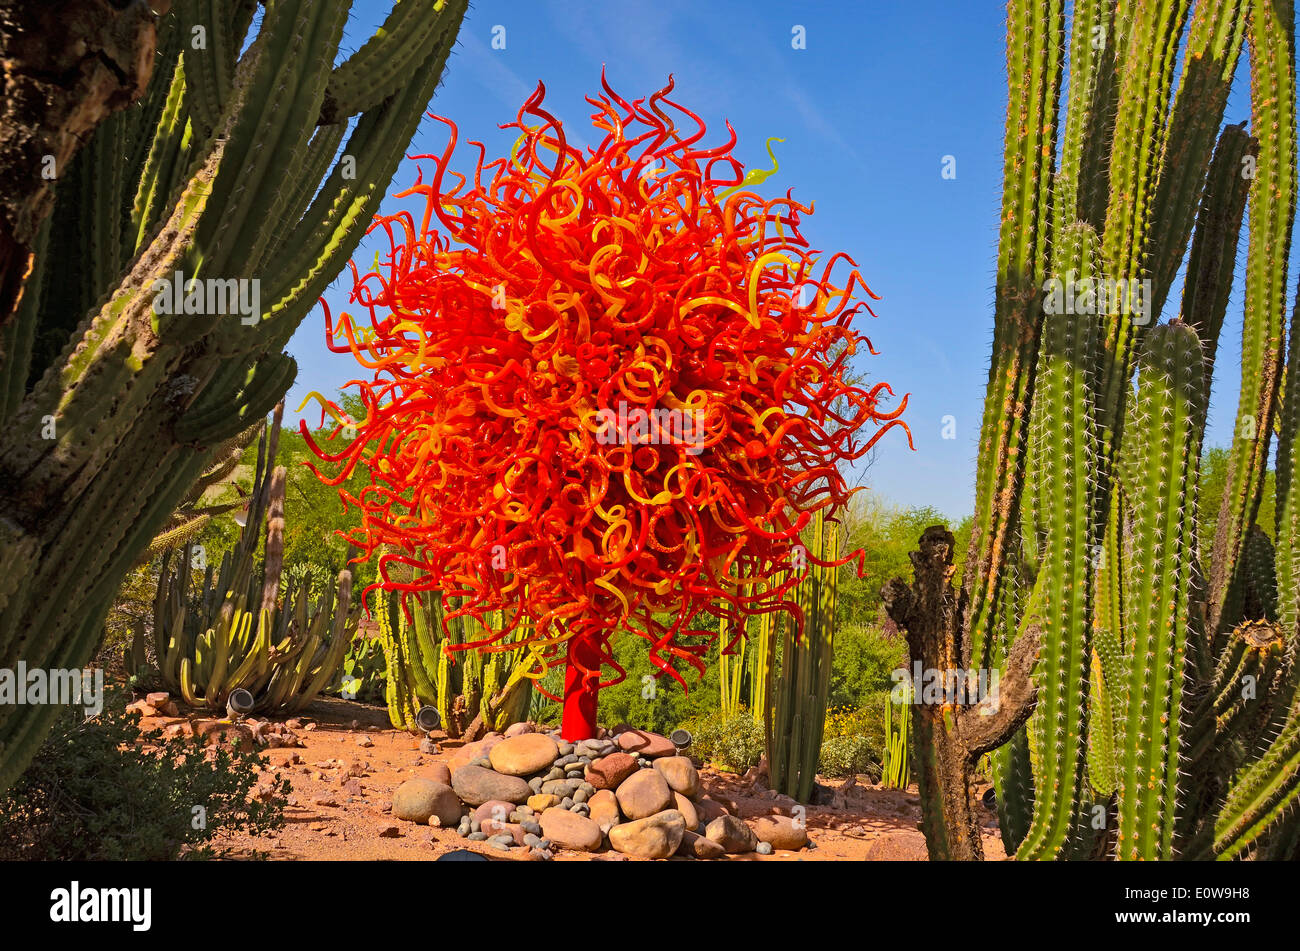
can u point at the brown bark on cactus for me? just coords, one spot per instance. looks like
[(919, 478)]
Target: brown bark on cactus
[(65, 66), (950, 737)]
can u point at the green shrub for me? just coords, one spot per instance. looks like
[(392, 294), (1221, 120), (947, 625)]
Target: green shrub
[(864, 658), (100, 790), (849, 755), (733, 745)]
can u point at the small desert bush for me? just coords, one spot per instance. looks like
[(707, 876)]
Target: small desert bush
[(847, 756), (865, 657), (100, 790), (732, 745)]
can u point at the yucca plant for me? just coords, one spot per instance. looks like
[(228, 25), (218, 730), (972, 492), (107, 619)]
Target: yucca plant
[(1165, 711), (205, 219)]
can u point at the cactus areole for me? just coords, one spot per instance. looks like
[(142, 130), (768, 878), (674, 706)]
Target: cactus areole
[(606, 392)]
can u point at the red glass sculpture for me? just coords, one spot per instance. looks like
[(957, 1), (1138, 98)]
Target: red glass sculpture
[(606, 389)]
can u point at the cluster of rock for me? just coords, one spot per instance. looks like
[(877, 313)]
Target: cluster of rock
[(158, 710), (630, 791)]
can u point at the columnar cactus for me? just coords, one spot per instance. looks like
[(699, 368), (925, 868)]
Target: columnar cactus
[(253, 165), (238, 630), (795, 711), (1165, 689), (473, 692)]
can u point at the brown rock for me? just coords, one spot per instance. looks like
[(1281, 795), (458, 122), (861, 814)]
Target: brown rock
[(516, 832), (710, 809), (781, 832), (604, 809), (732, 834), (542, 801), (156, 700), (645, 743), (608, 772), (898, 847), (497, 809), (654, 837), (524, 754), (140, 708), (680, 774), (476, 785), (389, 831), (438, 772), (420, 800), (472, 751), (569, 830), (518, 729), (689, 813), (643, 794), (699, 847)]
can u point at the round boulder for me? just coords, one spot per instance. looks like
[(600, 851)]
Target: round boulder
[(477, 785), (643, 794), (654, 837), (732, 834), (781, 832), (419, 800), (571, 831), (680, 774), (524, 754)]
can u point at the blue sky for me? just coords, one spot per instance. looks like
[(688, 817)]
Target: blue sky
[(882, 93)]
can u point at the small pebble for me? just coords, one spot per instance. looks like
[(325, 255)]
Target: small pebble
[(764, 848), (477, 836)]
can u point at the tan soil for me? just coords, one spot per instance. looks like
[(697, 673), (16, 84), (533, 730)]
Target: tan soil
[(328, 820)]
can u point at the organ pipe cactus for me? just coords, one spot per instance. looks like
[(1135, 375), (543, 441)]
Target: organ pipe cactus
[(237, 630), (893, 766), (1150, 695), (795, 711), (252, 163), (473, 691)]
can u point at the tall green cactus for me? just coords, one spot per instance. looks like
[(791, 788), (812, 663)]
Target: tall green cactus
[(238, 630), (1164, 686), (473, 691), (795, 712), (254, 157)]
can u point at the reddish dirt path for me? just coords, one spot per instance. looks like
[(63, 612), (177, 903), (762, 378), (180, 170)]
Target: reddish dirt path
[(344, 775)]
